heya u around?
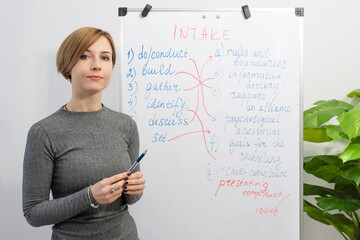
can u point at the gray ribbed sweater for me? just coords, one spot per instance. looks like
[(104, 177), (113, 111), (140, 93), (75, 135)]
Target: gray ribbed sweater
[(66, 153)]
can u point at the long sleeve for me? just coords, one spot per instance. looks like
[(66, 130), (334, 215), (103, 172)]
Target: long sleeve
[(37, 178), (134, 154)]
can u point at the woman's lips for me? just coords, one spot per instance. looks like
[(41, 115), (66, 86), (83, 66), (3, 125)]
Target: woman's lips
[(95, 77)]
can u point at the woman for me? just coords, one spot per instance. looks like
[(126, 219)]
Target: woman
[(82, 151)]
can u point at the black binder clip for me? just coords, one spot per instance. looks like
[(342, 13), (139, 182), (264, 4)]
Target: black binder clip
[(146, 10), (246, 11), (122, 11)]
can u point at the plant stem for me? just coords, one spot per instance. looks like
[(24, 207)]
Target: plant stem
[(353, 218), (353, 183), (346, 238), (357, 219), (342, 234)]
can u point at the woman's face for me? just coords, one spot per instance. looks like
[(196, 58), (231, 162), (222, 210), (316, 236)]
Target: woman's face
[(92, 72)]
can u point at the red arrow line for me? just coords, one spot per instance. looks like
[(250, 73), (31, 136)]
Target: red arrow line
[(207, 131), (189, 74), (209, 58), (197, 70), (202, 126)]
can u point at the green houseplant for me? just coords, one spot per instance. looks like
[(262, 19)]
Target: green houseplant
[(335, 205)]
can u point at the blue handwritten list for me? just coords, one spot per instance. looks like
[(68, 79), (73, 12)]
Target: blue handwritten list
[(217, 103)]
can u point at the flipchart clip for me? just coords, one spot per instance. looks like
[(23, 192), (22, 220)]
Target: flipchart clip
[(146, 10), (246, 11)]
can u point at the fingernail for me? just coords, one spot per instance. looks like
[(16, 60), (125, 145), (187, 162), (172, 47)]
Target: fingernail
[(126, 182), (126, 178), (124, 187), (125, 190)]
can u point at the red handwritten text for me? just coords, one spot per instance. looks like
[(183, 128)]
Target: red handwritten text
[(250, 188), (240, 183), (202, 33), (269, 210)]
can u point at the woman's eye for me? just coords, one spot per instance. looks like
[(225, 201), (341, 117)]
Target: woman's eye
[(106, 58), (84, 57)]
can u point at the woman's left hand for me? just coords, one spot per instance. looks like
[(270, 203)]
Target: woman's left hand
[(135, 184)]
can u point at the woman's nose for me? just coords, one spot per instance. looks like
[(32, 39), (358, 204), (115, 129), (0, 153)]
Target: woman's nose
[(95, 65)]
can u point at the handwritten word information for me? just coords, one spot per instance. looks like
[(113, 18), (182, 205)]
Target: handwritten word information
[(218, 107)]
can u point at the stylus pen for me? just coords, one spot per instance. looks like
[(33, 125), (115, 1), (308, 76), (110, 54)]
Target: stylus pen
[(133, 166)]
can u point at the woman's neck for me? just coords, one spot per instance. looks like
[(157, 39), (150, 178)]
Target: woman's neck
[(88, 104)]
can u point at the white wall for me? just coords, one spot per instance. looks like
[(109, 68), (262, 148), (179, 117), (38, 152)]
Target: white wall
[(31, 32)]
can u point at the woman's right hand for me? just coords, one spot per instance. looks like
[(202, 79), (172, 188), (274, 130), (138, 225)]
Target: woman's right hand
[(102, 193)]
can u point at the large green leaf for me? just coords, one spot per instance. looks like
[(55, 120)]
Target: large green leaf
[(328, 159), (352, 151), (321, 191), (341, 223), (320, 102), (350, 122), (356, 92), (352, 171), (335, 132), (312, 163), (320, 114), (326, 167), (329, 173), (316, 135), (348, 188), (315, 213), (342, 204)]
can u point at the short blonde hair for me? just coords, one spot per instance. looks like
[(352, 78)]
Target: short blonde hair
[(75, 45)]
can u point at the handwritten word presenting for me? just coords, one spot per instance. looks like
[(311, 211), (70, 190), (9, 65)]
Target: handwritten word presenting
[(252, 188)]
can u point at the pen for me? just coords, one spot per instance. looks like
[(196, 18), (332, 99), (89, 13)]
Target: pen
[(133, 166)]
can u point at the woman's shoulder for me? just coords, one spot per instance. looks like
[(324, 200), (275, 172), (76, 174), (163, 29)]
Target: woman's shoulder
[(46, 124), (122, 120), (120, 115), (51, 119)]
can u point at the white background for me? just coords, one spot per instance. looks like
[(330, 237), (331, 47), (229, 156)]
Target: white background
[(31, 89)]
